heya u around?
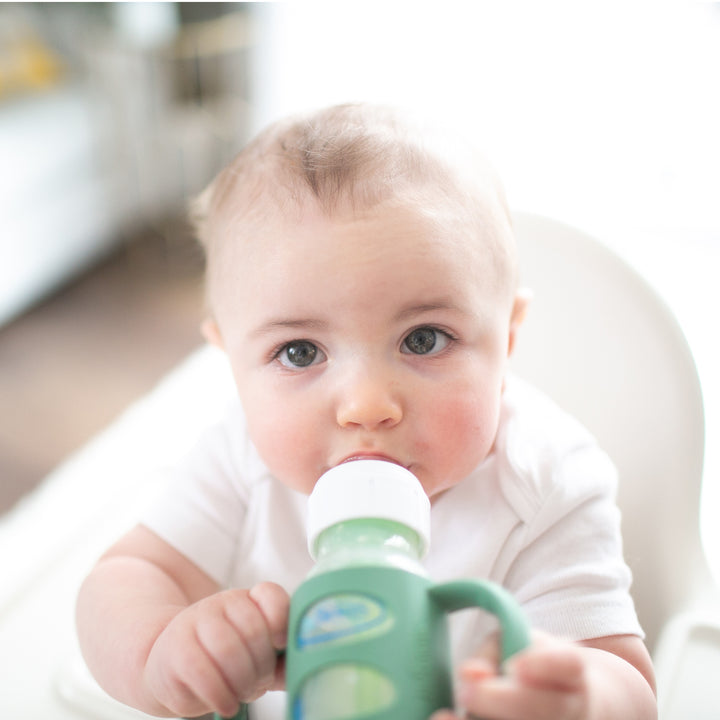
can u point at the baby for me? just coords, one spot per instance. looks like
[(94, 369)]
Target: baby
[(362, 281)]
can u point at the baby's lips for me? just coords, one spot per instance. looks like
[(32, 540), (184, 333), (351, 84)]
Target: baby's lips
[(369, 456)]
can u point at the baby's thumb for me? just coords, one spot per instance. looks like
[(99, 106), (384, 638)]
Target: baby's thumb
[(273, 602), (484, 662)]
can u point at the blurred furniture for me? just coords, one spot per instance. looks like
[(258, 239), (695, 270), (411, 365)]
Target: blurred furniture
[(56, 218), (140, 124), (597, 338)]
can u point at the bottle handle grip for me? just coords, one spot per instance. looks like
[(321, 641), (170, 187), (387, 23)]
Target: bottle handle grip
[(462, 594)]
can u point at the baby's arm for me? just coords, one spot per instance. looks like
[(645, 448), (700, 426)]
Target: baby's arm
[(158, 635), (604, 679)]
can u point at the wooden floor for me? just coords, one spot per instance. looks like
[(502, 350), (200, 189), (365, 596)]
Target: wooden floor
[(73, 363)]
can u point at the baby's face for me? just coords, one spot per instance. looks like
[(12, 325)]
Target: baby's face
[(382, 336)]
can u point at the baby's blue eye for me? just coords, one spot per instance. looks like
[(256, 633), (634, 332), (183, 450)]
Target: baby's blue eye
[(300, 354), (425, 341)]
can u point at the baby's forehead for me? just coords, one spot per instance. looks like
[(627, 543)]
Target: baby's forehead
[(475, 216), (274, 189), (353, 155), (290, 170), (482, 235)]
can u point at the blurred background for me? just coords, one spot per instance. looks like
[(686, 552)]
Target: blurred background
[(603, 114)]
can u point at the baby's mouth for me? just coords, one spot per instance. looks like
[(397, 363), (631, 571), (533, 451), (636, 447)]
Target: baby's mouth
[(370, 456)]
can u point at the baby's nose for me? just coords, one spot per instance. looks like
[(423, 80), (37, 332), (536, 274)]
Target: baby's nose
[(369, 402)]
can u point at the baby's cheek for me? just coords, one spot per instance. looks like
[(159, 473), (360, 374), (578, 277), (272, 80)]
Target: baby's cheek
[(288, 450), (466, 430)]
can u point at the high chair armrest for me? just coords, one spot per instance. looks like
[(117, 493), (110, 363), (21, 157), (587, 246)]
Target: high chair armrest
[(687, 665)]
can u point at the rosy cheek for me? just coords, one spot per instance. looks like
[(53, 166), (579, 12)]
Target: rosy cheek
[(464, 432), (460, 417), (287, 448)]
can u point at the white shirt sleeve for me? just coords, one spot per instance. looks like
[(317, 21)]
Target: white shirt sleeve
[(566, 566), (202, 509), (224, 511)]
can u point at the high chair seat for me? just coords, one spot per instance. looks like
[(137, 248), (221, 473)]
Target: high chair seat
[(597, 339), (601, 342)]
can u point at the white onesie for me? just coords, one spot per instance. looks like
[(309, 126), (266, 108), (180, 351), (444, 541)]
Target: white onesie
[(537, 516)]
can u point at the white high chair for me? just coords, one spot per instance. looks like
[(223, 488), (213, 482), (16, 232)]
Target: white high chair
[(596, 338), (601, 343)]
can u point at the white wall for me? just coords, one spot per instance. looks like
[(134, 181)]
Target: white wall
[(590, 110)]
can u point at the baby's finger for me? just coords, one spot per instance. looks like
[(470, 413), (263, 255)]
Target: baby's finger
[(273, 602), (279, 680), (489, 651), (501, 697), (252, 670), (212, 691), (554, 667), (231, 655), (477, 669), (189, 683), (443, 715)]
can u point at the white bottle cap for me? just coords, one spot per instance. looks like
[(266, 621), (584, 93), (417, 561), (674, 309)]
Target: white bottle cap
[(368, 489)]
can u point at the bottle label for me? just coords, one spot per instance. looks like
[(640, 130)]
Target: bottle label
[(343, 690), (340, 692), (343, 618), (350, 647)]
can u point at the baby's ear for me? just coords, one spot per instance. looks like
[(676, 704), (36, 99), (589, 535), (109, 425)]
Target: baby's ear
[(523, 297), (211, 332)]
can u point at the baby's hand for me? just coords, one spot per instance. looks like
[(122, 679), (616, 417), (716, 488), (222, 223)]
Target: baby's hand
[(220, 651), (547, 680)]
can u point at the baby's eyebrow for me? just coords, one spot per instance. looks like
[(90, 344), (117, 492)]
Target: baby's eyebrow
[(289, 324), (420, 308)]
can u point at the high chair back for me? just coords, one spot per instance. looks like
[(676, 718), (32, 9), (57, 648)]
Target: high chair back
[(601, 343)]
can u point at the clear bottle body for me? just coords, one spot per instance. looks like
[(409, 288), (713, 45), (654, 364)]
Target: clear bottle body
[(368, 529), (353, 690), (367, 542)]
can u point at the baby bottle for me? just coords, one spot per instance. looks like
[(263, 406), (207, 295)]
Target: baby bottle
[(368, 633)]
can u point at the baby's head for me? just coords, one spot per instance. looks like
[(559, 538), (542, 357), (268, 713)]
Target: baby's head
[(346, 160), (362, 279)]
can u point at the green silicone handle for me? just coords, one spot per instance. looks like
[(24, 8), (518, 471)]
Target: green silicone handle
[(462, 594)]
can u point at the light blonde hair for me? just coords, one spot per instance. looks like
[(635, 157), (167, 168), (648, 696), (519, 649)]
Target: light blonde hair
[(353, 157)]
